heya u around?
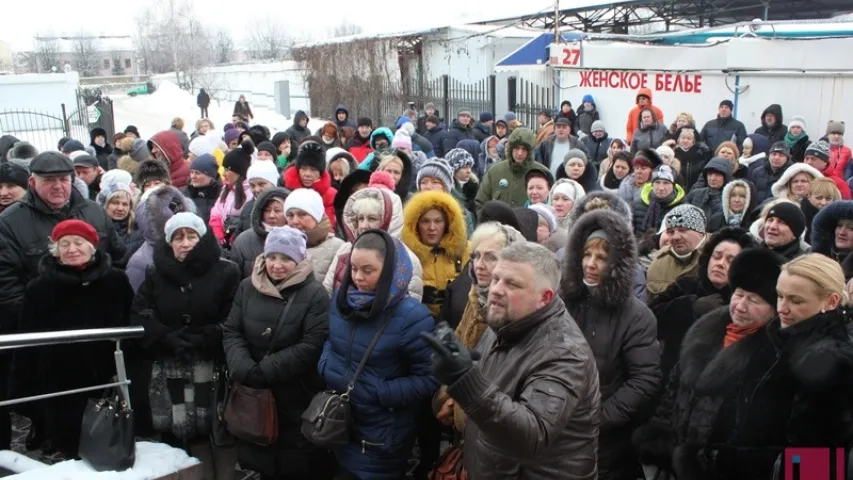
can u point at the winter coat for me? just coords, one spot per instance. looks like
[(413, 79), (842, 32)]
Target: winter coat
[(666, 268), (346, 121), (170, 145), (152, 213), (322, 186), (762, 175), (776, 133), (66, 298), (831, 172), (103, 155), (225, 214), (455, 134), (641, 206), (184, 139), (296, 132), (629, 191), (720, 219), (588, 179), (25, 228), (781, 188), (622, 333), (692, 163), (544, 132), (250, 243), (434, 137), (243, 110), (733, 410), (505, 180), (541, 416), (202, 99), (287, 358), (442, 264), (485, 161), (392, 222), (839, 156), (721, 130), (387, 399), (706, 198), (544, 149), (823, 231), (359, 147), (585, 119), (634, 114), (596, 148), (651, 136), (204, 198), (798, 150)]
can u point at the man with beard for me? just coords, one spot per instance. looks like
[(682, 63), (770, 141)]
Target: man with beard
[(540, 417)]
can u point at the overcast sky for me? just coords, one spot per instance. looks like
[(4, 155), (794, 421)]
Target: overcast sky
[(24, 19)]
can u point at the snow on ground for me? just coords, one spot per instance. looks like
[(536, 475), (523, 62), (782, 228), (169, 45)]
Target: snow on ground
[(153, 460), (153, 113)]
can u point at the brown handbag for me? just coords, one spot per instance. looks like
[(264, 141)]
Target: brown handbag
[(250, 413), (450, 466)]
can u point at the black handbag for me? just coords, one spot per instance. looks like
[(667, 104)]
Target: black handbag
[(327, 422), (219, 434), (106, 435)]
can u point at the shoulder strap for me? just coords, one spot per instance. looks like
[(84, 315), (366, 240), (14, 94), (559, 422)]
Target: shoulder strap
[(284, 311), (367, 353)]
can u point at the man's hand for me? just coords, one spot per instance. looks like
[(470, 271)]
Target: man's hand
[(445, 415), (450, 358)]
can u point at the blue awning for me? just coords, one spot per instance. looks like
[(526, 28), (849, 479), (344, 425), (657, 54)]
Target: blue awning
[(535, 52)]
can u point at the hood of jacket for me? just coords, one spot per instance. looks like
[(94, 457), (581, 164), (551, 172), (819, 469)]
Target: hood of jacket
[(484, 147), (261, 203), (49, 268), (170, 145), (340, 108), (646, 92), (455, 240), (824, 223), (780, 187), (204, 256), (384, 198), (156, 207), (775, 109), (718, 164), (297, 117), (383, 131), (751, 197), (760, 144), (616, 286), (600, 199), (349, 182), (335, 153), (647, 192), (523, 137), (739, 235)]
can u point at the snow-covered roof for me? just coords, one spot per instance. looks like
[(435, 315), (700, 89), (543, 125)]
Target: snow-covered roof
[(488, 30), (103, 43)]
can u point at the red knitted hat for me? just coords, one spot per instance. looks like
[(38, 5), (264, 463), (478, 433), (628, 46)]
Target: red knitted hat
[(381, 179), (75, 227)]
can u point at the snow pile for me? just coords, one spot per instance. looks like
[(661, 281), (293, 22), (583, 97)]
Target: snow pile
[(153, 460), (168, 95)]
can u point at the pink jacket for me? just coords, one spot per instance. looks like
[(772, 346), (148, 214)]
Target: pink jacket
[(223, 209)]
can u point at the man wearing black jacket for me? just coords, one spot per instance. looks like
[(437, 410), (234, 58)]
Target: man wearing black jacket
[(203, 101)]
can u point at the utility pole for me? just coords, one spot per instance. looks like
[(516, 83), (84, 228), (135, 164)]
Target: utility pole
[(557, 38)]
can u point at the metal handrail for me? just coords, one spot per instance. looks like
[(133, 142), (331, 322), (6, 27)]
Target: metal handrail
[(24, 340)]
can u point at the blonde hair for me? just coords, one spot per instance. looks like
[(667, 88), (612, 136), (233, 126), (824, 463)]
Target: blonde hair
[(486, 231), (689, 116), (822, 271), (131, 215), (178, 123), (825, 187), (386, 159), (730, 145), (344, 168), (597, 243)]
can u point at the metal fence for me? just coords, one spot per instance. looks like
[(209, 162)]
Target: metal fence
[(527, 99), (451, 96)]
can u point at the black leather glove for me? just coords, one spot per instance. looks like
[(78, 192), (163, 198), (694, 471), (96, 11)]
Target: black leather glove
[(255, 378), (175, 341), (705, 304), (207, 335), (450, 358)]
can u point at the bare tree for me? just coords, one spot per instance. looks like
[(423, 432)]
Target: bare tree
[(26, 62), (86, 57), (47, 52), (223, 46), (267, 41), (345, 29), (170, 38)]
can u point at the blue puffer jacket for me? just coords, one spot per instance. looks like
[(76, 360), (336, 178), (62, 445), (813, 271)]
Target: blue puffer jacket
[(395, 380)]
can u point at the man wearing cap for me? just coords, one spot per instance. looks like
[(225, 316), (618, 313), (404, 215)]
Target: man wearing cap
[(656, 199), (359, 144), (88, 169), (764, 173), (784, 224), (461, 129), (13, 184), (546, 126), (483, 128), (685, 226), (552, 151), (817, 155), (26, 225), (724, 128)]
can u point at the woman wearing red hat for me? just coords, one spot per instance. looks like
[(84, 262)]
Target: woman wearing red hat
[(77, 289)]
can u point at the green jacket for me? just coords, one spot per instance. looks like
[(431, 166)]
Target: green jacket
[(505, 180)]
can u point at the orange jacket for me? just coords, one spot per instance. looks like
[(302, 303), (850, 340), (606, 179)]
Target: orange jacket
[(634, 114)]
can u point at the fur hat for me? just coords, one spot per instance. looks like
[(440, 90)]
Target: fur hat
[(240, 159), (756, 270), (151, 170), (14, 174), (498, 211), (22, 153), (438, 169), (311, 155), (835, 126), (649, 157), (259, 134)]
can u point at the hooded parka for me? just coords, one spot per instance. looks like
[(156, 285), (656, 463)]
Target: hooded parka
[(250, 243), (170, 145), (505, 180), (707, 198)]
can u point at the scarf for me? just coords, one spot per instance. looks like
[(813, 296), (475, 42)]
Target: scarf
[(399, 288), (791, 140), (654, 213), (736, 333), (271, 288), (734, 219)]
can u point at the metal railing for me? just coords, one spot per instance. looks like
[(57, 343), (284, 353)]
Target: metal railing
[(24, 340)]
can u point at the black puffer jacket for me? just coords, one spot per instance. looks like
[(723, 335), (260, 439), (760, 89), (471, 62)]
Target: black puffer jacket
[(622, 334), (777, 132), (287, 358), (456, 133), (762, 175), (296, 132), (588, 179), (250, 243), (708, 199), (204, 198), (25, 227)]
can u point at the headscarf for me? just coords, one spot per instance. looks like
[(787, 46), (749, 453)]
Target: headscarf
[(393, 283)]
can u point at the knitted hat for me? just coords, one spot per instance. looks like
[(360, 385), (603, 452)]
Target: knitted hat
[(72, 146), (587, 98), (438, 169), (14, 174), (727, 103), (510, 116), (835, 126), (206, 164), (791, 215), (819, 149), (74, 227), (311, 155), (535, 172), (402, 140), (486, 117), (268, 147), (648, 157), (756, 270), (139, 150), (264, 171), (307, 200), (686, 216), (797, 121), (568, 187), (152, 170), (459, 158), (464, 111), (546, 212), (116, 175), (575, 153), (286, 241), (231, 135), (597, 126), (109, 190), (664, 172), (382, 179), (365, 122), (240, 159), (184, 220), (202, 145), (780, 147)]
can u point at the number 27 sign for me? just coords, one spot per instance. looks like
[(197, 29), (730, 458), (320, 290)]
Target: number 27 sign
[(562, 54)]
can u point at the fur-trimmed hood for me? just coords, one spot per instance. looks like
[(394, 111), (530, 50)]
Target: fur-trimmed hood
[(751, 197), (598, 199), (454, 242), (156, 207), (260, 203), (824, 223), (780, 188), (384, 198), (616, 286)]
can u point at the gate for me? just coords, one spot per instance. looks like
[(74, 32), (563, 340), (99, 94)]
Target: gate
[(527, 99), (451, 96)]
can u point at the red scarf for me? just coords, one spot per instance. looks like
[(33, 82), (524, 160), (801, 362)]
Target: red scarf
[(735, 333)]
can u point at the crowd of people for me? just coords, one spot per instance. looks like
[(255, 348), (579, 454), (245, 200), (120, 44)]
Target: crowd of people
[(528, 303)]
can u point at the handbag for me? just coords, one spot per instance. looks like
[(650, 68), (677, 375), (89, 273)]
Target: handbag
[(450, 466), (250, 413), (219, 434), (327, 422), (106, 434)]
